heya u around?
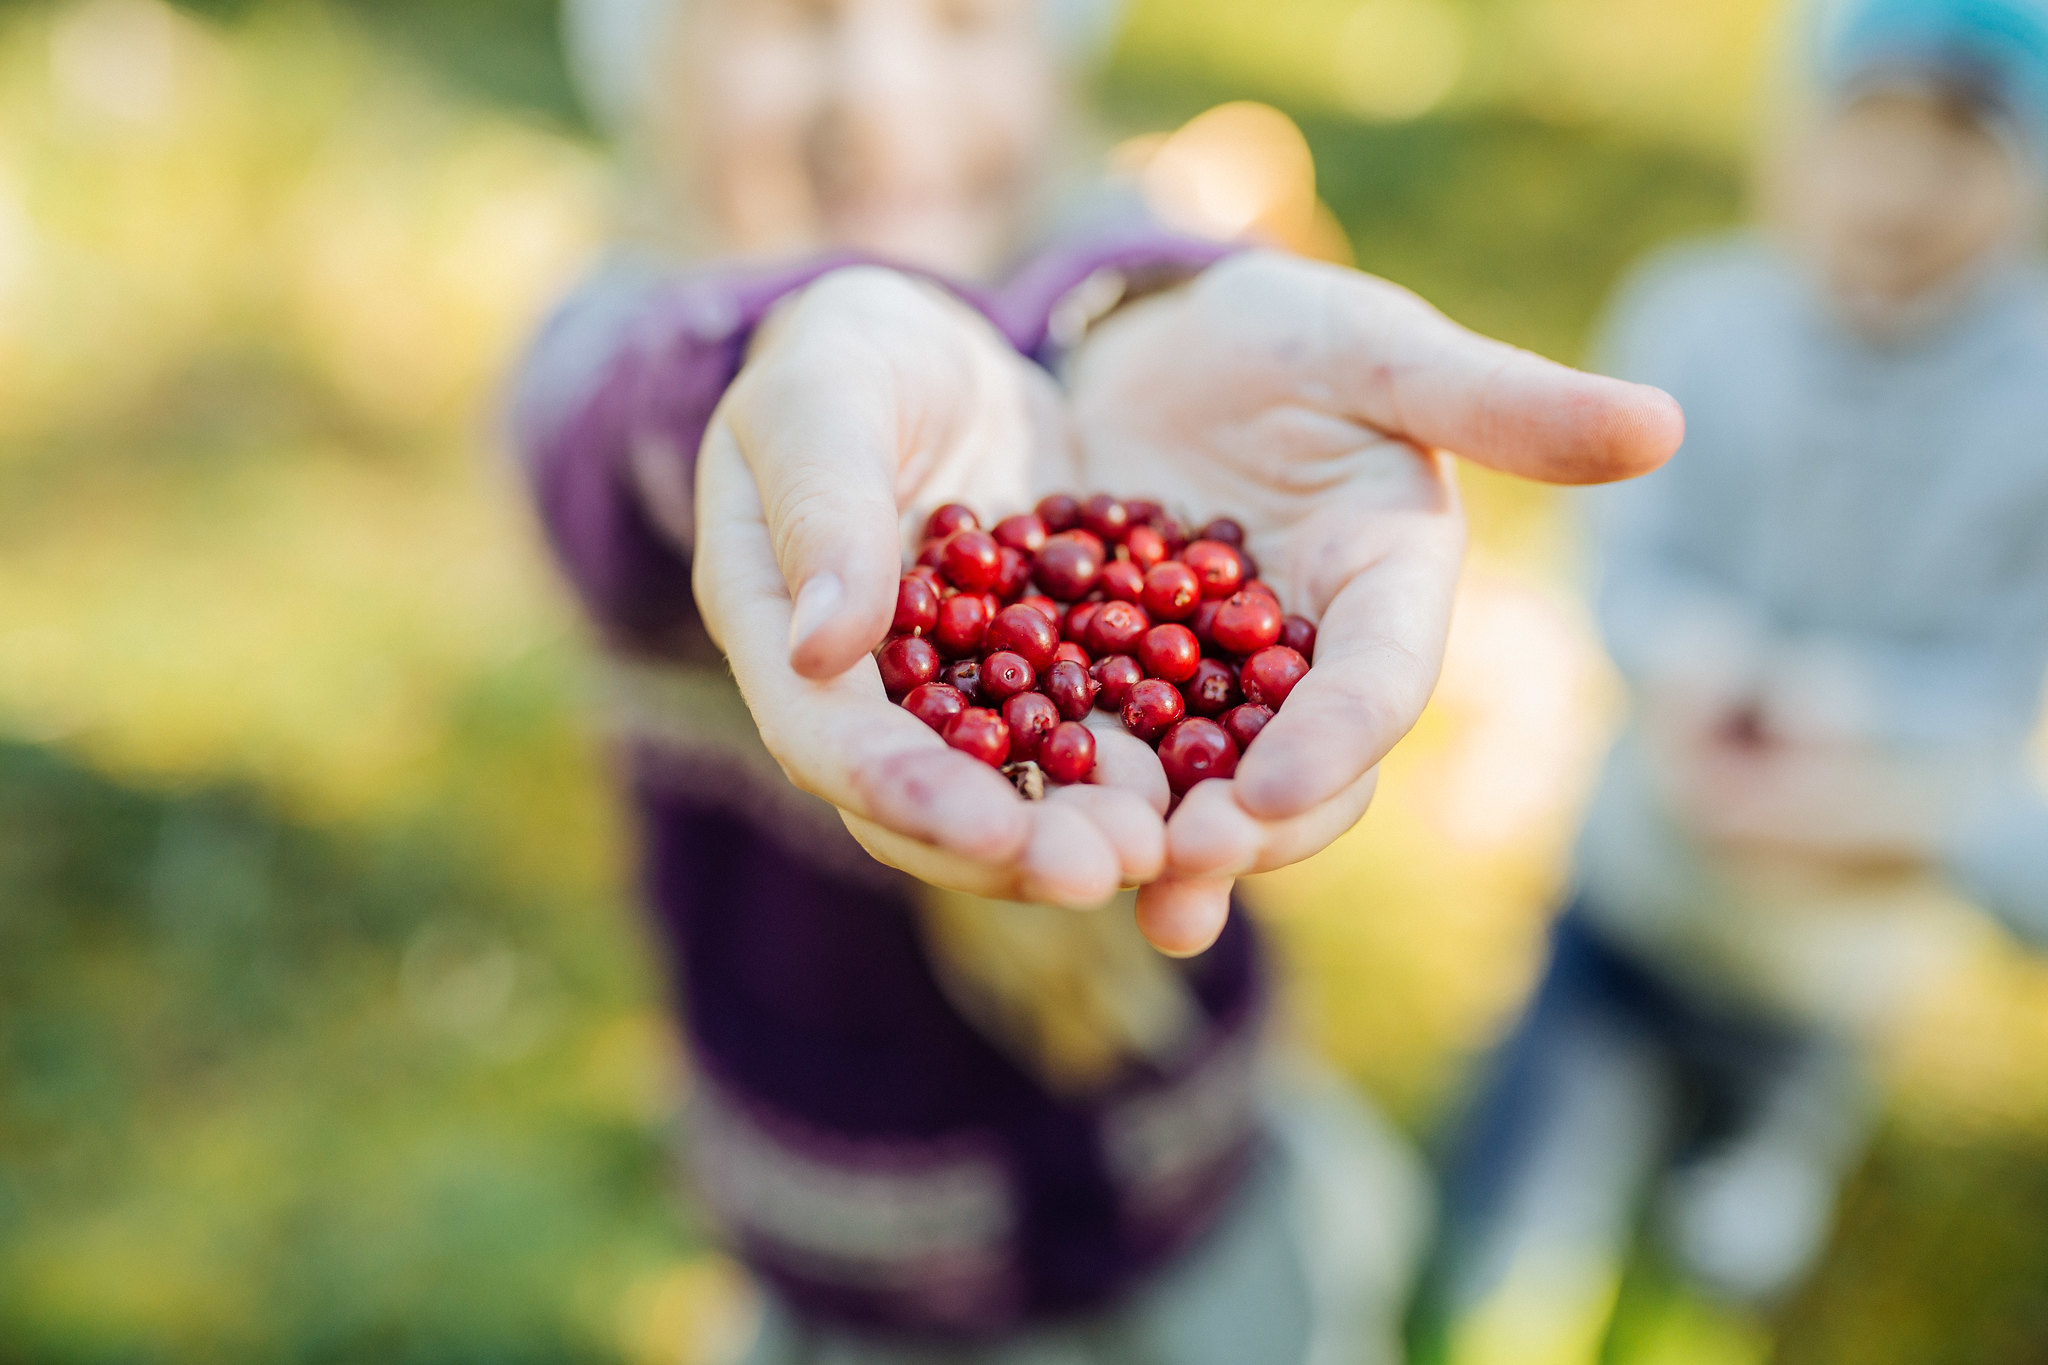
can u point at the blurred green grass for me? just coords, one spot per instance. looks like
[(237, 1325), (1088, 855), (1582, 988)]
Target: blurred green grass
[(328, 1032)]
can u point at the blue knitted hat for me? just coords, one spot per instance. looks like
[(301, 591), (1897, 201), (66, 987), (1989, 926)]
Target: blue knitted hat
[(1996, 50)]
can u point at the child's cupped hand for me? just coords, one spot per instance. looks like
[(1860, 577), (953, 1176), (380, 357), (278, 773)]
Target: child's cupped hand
[(1310, 403)]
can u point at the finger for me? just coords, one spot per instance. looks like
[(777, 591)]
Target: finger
[(1407, 369), (1379, 648), (1211, 835), (1130, 824), (821, 417), (1127, 763), (1068, 862), (1182, 918), (840, 739)]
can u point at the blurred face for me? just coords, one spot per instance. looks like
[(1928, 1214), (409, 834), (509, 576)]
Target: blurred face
[(916, 129), (1901, 198)]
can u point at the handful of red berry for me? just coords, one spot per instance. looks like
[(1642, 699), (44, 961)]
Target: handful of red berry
[(1006, 638)]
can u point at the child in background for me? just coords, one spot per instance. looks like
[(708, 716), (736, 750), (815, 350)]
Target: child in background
[(939, 1126), (1833, 612)]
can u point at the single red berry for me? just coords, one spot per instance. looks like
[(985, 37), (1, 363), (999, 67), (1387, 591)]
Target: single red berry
[(1116, 628), (963, 620), (1246, 623), (1195, 751), (1152, 707), (1068, 565), (1224, 530), (1106, 517), (931, 554), (1078, 618), (1059, 513), (1174, 533), (1298, 633), (1203, 624), (1024, 532), (1172, 592), (1212, 689), (1031, 717), (1219, 567), (1243, 723), (1004, 675), (1023, 630), (1068, 754), (1072, 688), (1073, 654), (1041, 602), (964, 676), (993, 603), (1251, 565), (973, 561), (1013, 572), (1259, 585), (1170, 652), (1114, 677), (1145, 546), (907, 661), (1123, 581), (931, 576), (1144, 511), (935, 703), (1271, 674), (948, 519), (981, 733), (917, 607)]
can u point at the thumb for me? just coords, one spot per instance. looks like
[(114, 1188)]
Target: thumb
[(823, 416)]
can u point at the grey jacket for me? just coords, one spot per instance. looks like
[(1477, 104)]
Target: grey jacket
[(1891, 502)]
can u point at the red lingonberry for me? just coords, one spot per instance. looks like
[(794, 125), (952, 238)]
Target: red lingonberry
[(1212, 690), (981, 733), (972, 561), (1013, 572), (1195, 751), (1079, 616), (1106, 517), (1068, 754), (930, 575), (1114, 677), (1145, 546), (1170, 652), (1042, 603), (1122, 581), (907, 661), (946, 520), (1068, 565), (964, 676), (993, 603), (1270, 675), (935, 703), (1251, 565), (931, 554), (1298, 633), (1031, 717), (917, 607), (1173, 532), (1073, 654), (1246, 623), (1116, 628), (1024, 532), (963, 620), (1203, 623), (1151, 708), (1224, 530), (1172, 592), (1243, 723), (1023, 630), (1220, 568), (1072, 688), (1004, 675), (1059, 513), (1144, 511)]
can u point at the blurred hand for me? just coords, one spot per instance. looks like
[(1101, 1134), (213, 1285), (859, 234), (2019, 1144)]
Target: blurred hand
[(869, 399), (1312, 403)]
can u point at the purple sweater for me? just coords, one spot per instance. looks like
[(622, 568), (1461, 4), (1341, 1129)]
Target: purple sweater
[(870, 1152)]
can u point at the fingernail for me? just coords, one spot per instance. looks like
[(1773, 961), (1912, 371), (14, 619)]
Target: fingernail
[(816, 603)]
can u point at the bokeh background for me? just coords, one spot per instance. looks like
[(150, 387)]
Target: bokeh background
[(328, 1031)]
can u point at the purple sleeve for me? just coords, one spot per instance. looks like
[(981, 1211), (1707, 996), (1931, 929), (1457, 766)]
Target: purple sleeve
[(632, 367)]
